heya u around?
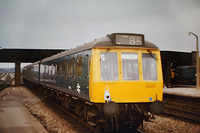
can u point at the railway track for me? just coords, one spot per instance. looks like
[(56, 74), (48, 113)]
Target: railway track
[(2, 75), (183, 107), (5, 80), (76, 122)]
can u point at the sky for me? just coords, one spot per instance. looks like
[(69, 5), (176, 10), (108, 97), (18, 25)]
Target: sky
[(64, 24)]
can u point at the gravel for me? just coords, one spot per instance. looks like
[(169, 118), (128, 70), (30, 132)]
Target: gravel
[(164, 124), (56, 122)]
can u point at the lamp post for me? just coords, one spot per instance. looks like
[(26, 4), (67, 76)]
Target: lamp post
[(197, 56)]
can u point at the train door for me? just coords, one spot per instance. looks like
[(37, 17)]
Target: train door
[(82, 74), (79, 74), (71, 79)]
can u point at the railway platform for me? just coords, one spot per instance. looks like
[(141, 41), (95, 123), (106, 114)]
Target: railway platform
[(16, 118), (182, 102), (183, 91)]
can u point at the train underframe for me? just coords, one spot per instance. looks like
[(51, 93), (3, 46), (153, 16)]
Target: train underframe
[(120, 115)]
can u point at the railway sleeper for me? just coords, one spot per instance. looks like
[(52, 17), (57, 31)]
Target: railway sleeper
[(183, 104), (187, 108), (182, 114)]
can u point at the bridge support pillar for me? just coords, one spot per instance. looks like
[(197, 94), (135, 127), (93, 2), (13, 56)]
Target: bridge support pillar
[(17, 73)]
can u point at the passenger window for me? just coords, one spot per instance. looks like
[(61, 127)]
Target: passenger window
[(47, 69), (130, 68), (149, 66), (67, 68), (58, 66), (74, 70), (42, 69), (88, 72), (64, 67), (79, 66), (53, 69), (109, 66), (70, 67), (50, 69), (36, 68)]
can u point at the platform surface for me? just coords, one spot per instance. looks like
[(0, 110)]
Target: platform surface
[(16, 118), (181, 91)]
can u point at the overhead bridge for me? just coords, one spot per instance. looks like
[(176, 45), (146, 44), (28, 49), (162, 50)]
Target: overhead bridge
[(170, 59), (19, 56)]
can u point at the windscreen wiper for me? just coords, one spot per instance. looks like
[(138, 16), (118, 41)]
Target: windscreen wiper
[(151, 54)]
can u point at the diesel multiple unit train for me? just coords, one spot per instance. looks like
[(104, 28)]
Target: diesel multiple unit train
[(185, 75), (111, 82)]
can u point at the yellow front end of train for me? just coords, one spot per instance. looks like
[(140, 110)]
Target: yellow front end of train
[(125, 75)]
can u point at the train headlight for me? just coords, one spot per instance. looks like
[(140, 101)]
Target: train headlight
[(107, 95), (156, 107)]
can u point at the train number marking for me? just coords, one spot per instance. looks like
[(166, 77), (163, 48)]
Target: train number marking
[(150, 86), (78, 88)]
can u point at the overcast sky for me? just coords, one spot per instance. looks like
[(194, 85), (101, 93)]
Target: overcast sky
[(63, 24)]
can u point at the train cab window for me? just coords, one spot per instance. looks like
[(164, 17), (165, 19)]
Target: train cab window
[(149, 67), (109, 66), (130, 68), (79, 66)]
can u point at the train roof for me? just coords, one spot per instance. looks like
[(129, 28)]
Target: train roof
[(32, 64), (106, 41), (186, 67)]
